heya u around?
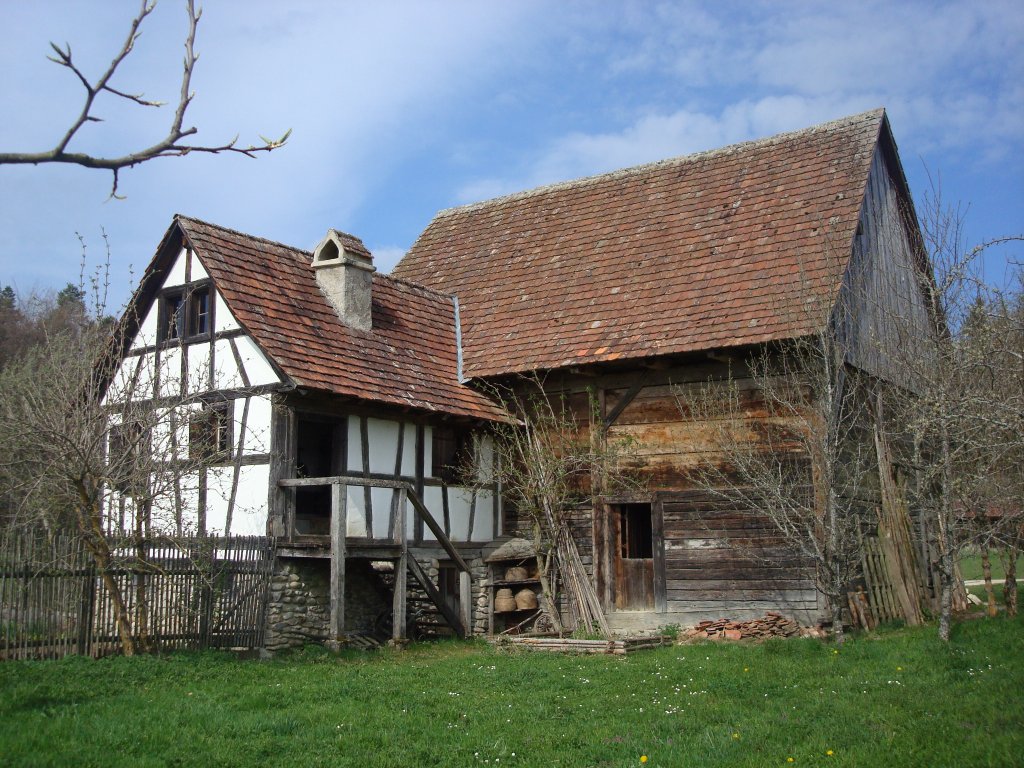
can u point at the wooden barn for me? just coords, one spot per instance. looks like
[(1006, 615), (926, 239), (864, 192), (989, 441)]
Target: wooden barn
[(343, 400)]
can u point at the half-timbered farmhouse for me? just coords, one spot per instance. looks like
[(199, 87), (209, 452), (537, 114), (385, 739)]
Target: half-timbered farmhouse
[(342, 400)]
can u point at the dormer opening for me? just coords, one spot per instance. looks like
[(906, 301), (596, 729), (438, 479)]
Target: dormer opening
[(328, 251)]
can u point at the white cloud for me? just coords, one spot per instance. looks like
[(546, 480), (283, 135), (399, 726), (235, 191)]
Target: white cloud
[(660, 136)]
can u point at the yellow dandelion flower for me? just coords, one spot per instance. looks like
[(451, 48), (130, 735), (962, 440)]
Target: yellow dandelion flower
[(790, 760), (735, 735), (899, 669), (643, 758), (829, 752)]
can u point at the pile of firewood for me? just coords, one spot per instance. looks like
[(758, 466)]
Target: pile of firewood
[(770, 625)]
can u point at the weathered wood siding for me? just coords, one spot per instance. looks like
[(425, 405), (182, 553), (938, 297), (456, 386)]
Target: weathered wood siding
[(722, 557), (883, 304)]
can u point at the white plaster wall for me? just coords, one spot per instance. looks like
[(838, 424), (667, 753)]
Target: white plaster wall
[(354, 512), (198, 270), (164, 512), (483, 524), (355, 446), (485, 458), (383, 445), (250, 517), (459, 505), (250, 513), (223, 319), (176, 274), (146, 336), (170, 372), (257, 433), (198, 368), (381, 501), (218, 493), (256, 365), (428, 452), (434, 502), (226, 369), (120, 383), (409, 451)]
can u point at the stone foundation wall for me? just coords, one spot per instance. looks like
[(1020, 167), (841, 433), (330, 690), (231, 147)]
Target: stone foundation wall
[(299, 607)]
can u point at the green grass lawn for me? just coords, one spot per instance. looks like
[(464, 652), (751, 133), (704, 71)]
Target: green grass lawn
[(894, 698), (970, 566)]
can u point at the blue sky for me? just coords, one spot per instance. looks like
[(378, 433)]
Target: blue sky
[(401, 109)]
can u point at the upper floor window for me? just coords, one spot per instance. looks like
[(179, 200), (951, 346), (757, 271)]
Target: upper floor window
[(451, 453), (209, 432), (185, 313)]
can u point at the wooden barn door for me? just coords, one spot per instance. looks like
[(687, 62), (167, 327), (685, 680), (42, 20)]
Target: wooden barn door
[(632, 537)]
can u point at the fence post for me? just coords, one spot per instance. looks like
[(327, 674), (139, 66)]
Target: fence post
[(86, 609), (205, 590)]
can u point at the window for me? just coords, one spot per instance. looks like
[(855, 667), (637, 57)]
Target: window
[(185, 314), (451, 452), (209, 432), (199, 313), (636, 539), (171, 316)]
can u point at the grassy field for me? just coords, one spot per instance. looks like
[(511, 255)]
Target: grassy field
[(970, 566), (894, 698)]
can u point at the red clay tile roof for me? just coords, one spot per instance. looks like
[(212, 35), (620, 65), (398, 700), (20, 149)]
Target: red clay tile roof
[(699, 252), (408, 359)]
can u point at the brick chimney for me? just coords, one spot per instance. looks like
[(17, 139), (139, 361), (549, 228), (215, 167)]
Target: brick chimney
[(344, 271)]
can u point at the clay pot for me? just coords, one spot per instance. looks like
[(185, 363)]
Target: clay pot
[(526, 599), (517, 573), (504, 602)]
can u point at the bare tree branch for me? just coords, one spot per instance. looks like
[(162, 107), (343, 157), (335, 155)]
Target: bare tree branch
[(172, 145)]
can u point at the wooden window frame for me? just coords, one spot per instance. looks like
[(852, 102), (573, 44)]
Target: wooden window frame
[(211, 433), (459, 456), (179, 314)]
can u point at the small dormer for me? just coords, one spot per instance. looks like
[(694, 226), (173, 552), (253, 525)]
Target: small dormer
[(344, 271)]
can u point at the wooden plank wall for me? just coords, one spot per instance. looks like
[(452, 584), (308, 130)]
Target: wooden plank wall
[(719, 557), (722, 556)]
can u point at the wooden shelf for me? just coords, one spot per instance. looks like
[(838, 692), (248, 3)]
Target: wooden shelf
[(519, 582)]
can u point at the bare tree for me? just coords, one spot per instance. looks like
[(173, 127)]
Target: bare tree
[(549, 465), (960, 412), (108, 449), (174, 144), (789, 444)]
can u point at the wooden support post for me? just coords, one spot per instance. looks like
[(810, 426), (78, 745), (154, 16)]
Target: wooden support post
[(339, 527), (398, 603), (401, 573), (466, 603)]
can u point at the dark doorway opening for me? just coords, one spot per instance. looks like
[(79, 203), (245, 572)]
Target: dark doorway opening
[(633, 561), (319, 452)]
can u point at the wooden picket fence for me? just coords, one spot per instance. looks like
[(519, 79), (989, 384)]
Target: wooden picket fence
[(187, 592)]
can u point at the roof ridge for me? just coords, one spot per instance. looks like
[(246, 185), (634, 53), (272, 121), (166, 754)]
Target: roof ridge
[(382, 275), (583, 181), (417, 286), (267, 240)]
